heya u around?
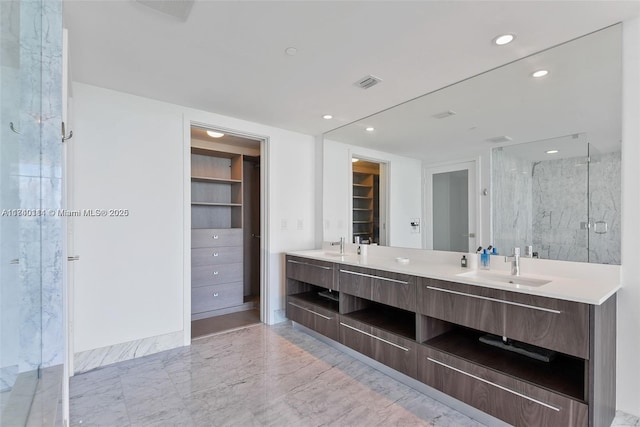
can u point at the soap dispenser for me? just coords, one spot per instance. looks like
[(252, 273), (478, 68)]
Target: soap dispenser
[(463, 261), (485, 260)]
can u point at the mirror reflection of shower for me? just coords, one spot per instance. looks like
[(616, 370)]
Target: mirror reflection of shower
[(561, 196)]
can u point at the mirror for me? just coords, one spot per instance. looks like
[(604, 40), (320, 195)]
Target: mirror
[(464, 122)]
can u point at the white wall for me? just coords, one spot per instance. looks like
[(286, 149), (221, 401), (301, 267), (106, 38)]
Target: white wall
[(129, 154), (628, 378), (405, 200)]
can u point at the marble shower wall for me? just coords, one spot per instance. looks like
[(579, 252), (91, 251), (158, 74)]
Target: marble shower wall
[(512, 202), (559, 208), (31, 78), (545, 204)]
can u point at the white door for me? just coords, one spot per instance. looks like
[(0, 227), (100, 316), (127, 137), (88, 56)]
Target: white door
[(451, 207)]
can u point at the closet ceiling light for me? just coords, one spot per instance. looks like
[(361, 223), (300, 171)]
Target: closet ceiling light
[(540, 73), (504, 39), (354, 160), (327, 117), (552, 151), (214, 134), (370, 129)]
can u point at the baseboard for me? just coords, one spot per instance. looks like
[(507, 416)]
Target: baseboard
[(87, 360)]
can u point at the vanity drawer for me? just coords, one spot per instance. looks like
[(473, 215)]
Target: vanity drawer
[(472, 306), (216, 237), (216, 274), (215, 297), (548, 322), (313, 317), (517, 402), (216, 256), (311, 271), (394, 289), (389, 349)]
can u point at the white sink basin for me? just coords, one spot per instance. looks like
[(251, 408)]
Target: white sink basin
[(335, 254), (504, 278)]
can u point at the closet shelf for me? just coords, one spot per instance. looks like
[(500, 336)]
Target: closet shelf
[(216, 204), (216, 180)]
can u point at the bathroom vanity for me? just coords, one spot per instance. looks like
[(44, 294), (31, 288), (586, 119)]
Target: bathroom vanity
[(426, 320)]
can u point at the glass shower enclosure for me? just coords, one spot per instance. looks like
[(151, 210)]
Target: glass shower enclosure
[(20, 204), (561, 196)]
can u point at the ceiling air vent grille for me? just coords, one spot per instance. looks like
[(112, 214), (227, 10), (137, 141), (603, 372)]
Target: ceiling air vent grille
[(367, 82), (499, 139)]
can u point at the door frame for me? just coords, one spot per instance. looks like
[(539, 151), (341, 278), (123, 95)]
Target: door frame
[(473, 200), (383, 196), (265, 291)]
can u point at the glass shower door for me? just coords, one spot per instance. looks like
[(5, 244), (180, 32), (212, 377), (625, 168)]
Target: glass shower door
[(20, 225)]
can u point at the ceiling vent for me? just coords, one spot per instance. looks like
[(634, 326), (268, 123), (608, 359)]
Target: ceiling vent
[(367, 81), (444, 114), (499, 139), (177, 8)]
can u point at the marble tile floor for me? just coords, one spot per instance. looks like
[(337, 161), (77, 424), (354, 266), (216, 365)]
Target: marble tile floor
[(258, 376)]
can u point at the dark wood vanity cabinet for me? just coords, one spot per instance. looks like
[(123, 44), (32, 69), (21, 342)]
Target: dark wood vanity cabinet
[(431, 330), (320, 273), (394, 289), (312, 297)]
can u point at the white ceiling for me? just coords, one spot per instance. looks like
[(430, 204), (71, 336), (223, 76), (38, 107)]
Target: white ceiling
[(582, 94), (228, 57)]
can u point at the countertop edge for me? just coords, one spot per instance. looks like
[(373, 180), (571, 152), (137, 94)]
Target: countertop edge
[(417, 269)]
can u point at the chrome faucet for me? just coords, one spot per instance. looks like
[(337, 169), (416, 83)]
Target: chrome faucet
[(341, 243), (515, 262)]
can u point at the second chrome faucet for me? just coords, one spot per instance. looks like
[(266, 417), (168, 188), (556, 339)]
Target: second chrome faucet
[(515, 262)]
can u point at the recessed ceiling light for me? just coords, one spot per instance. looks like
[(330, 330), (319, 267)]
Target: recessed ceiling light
[(291, 51), (327, 117), (214, 134), (540, 73), (552, 151), (503, 39), (354, 160), (369, 129)]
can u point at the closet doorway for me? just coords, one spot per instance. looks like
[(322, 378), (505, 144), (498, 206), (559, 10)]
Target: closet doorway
[(225, 203)]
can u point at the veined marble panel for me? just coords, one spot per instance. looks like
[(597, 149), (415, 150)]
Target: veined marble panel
[(512, 202), (91, 359)]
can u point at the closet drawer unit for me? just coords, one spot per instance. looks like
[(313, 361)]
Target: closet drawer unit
[(313, 317), (394, 289), (517, 402), (215, 297), (311, 271), (215, 237), (473, 306), (215, 256), (547, 322), (216, 274), (390, 349)]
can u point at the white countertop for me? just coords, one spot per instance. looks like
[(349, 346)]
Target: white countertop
[(578, 289)]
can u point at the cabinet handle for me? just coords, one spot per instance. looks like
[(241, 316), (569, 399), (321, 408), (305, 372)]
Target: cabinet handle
[(311, 311), (215, 237), (215, 294), (494, 384), (373, 336), (215, 273), (215, 254), (310, 265), (533, 307), (14, 261), (375, 277), (73, 258)]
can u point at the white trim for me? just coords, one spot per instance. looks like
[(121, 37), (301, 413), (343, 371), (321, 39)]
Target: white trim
[(265, 287), (384, 197)]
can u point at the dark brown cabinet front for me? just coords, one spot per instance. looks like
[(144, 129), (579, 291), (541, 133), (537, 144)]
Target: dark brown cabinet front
[(310, 271), (392, 350), (394, 289)]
